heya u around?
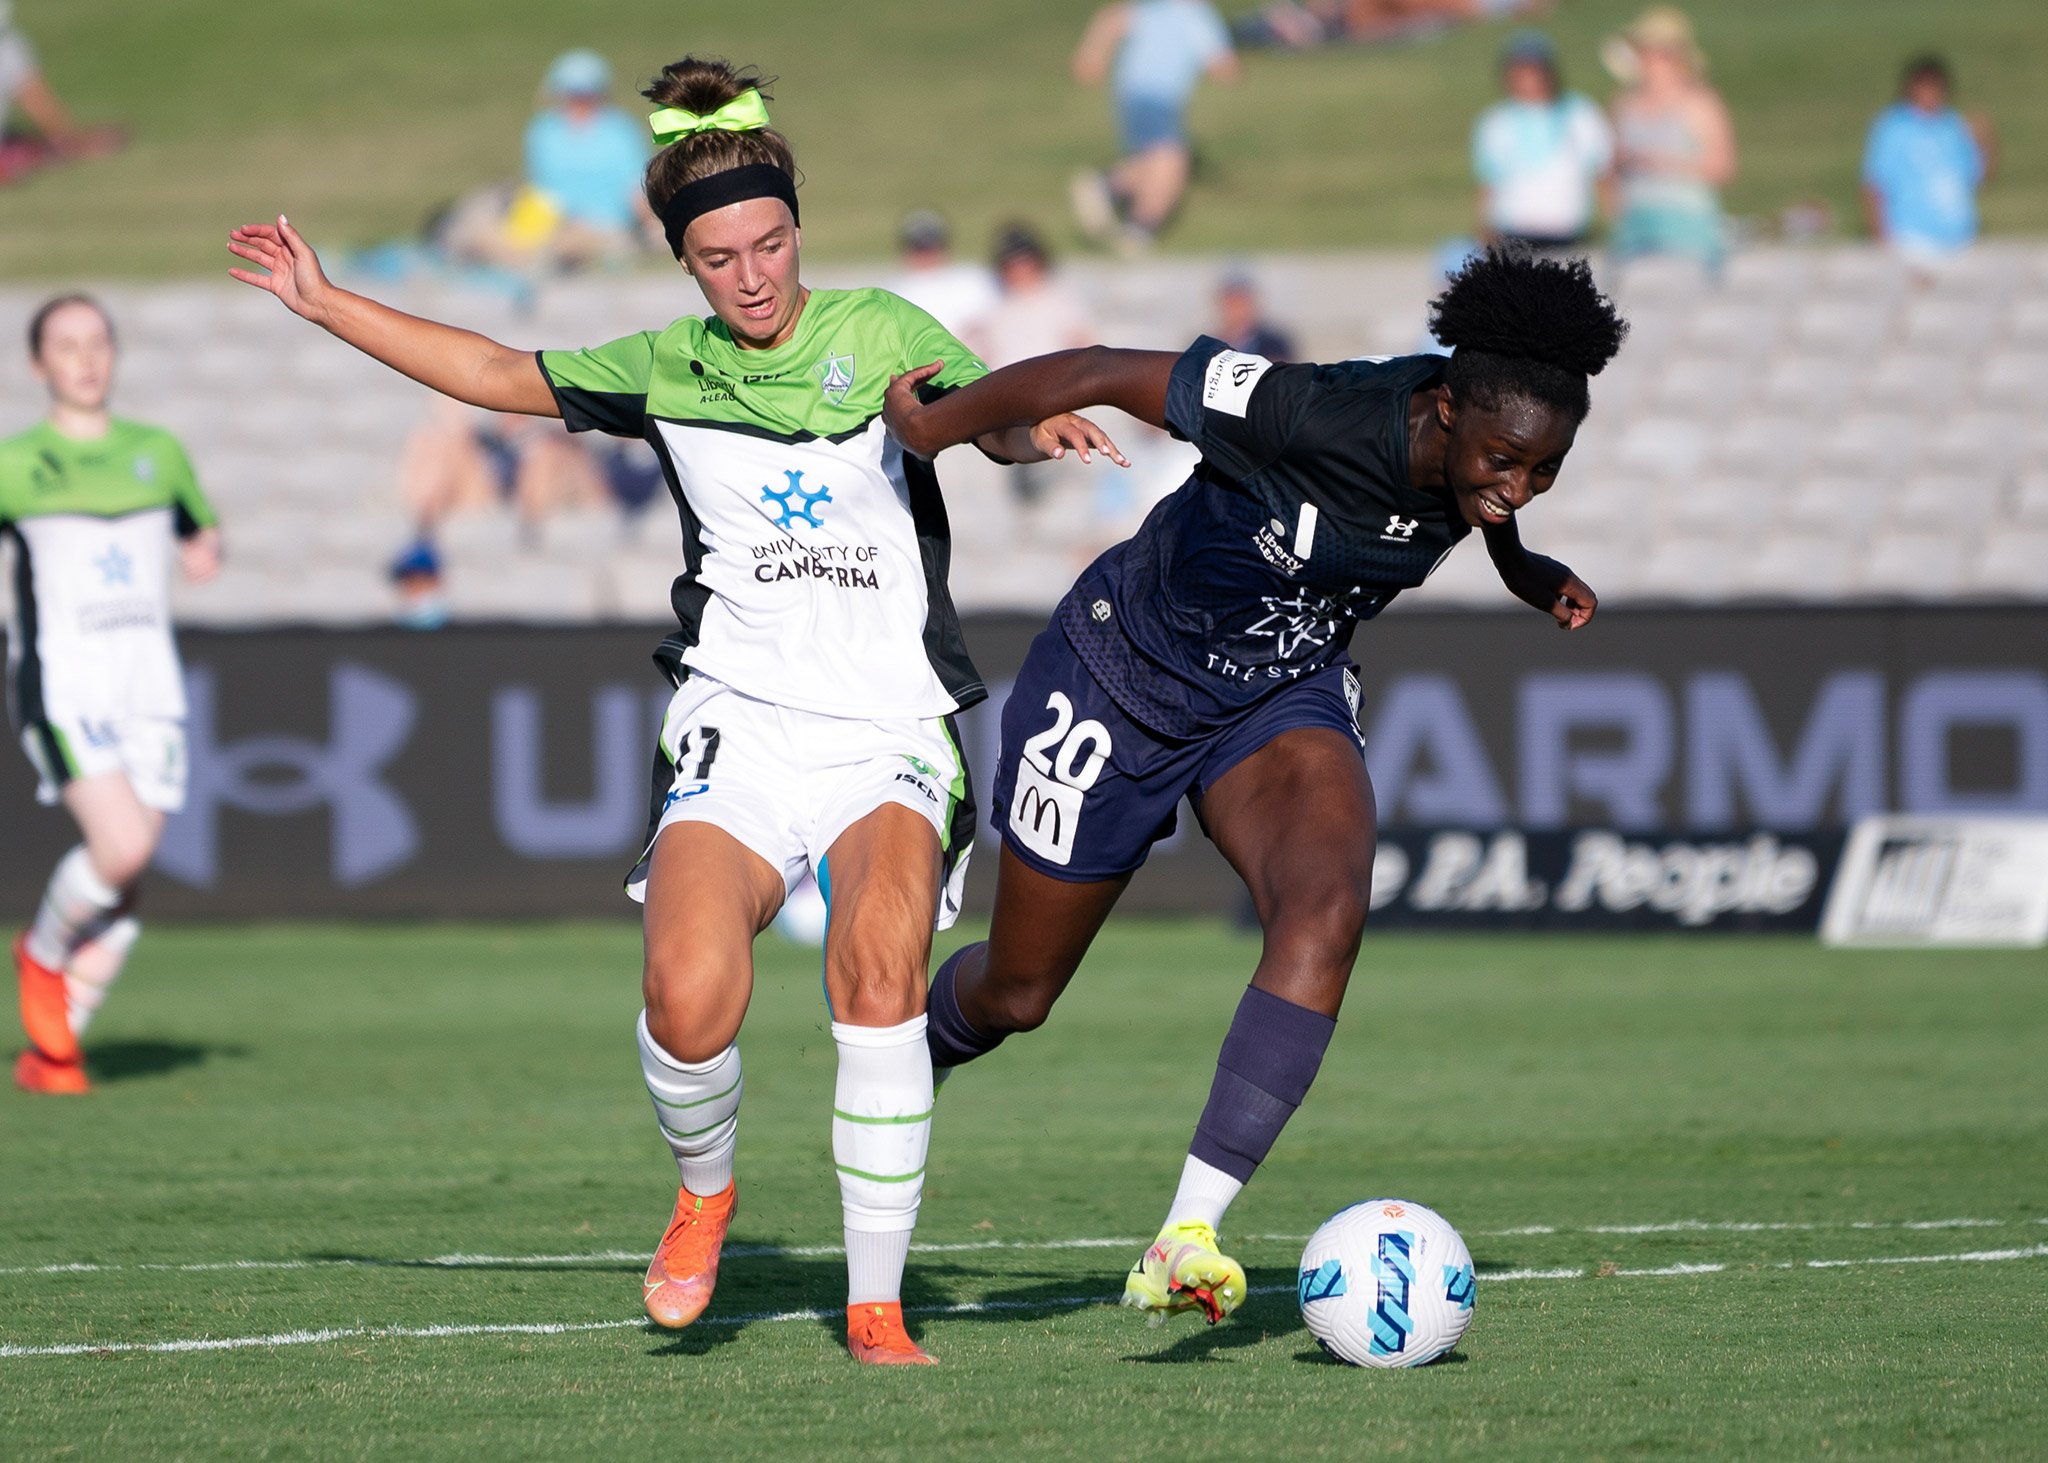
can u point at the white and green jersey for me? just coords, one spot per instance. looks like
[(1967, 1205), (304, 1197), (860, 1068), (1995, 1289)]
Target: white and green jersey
[(92, 523), (815, 550)]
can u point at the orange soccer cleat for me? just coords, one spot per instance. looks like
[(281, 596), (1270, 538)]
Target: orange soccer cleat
[(685, 1265), (875, 1336), (45, 1011), (34, 1072)]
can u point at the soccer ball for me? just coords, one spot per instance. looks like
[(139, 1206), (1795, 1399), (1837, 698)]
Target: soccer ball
[(1386, 1283)]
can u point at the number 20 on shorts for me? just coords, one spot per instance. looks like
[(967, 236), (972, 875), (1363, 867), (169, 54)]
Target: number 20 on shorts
[(1058, 766)]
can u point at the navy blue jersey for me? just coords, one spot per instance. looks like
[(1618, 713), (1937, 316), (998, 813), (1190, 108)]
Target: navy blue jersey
[(1298, 522)]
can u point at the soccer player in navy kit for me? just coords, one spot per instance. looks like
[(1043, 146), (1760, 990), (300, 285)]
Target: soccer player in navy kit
[(1206, 657)]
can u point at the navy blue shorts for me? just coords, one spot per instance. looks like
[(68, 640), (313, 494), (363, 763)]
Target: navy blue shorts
[(1083, 792)]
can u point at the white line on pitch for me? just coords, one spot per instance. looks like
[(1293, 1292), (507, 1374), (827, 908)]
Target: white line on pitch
[(460, 1261), (958, 1308), (464, 1261)]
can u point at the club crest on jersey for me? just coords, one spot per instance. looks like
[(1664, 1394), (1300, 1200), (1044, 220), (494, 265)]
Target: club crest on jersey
[(1295, 624), (835, 378), (115, 567), (1400, 530), (145, 469)]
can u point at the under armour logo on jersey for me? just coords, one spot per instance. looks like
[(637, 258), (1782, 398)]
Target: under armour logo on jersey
[(1400, 529), (797, 502), (835, 378)]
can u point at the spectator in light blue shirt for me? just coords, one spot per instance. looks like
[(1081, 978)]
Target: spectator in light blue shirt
[(1923, 166), (584, 155), (1154, 54)]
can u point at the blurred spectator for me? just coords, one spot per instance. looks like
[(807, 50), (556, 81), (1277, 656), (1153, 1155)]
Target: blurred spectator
[(1675, 143), (1307, 23), (952, 291), (1155, 52), (1035, 315), (579, 203), (1242, 326), (57, 137), (1539, 153), (416, 576), (460, 460), (1923, 165)]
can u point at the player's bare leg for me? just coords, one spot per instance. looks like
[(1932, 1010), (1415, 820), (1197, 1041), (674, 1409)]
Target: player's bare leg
[(1008, 983), (881, 880), (708, 896), (66, 960)]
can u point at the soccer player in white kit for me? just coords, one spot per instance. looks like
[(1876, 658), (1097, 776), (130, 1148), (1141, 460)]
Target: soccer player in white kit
[(818, 661), (92, 507)]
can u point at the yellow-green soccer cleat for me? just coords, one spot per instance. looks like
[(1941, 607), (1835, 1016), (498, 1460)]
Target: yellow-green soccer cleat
[(1183, 1269)]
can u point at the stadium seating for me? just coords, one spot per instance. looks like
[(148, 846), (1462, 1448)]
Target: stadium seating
[(1816, 426)]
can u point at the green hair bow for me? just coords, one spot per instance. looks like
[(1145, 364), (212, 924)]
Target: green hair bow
[(746, 112)]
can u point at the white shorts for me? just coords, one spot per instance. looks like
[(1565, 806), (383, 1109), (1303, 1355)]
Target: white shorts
[(149, 749), (787, 783)]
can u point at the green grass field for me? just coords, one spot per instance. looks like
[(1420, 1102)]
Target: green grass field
[(303, 1129), (358, 116)]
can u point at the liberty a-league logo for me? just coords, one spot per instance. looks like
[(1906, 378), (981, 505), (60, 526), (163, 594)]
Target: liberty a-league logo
[(1058, 767), (835, 378)]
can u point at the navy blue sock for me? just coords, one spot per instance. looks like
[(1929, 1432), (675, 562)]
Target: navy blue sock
[(952, 1038), (1269, 1058)]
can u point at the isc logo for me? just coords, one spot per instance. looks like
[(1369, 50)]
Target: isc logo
[(1059, 765)]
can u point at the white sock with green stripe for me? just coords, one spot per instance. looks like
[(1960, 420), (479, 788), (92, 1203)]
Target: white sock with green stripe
[(881, 1129), (698, 1107), (78, 900), (95, 965)]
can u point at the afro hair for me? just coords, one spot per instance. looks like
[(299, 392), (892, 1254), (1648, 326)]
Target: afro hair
[(1523, 326)]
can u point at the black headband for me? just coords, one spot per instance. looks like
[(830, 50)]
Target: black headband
[(716, 190)]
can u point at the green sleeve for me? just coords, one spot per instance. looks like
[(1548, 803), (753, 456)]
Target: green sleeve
[(925, 340), (187, 501), (11, 474), (603, 388)]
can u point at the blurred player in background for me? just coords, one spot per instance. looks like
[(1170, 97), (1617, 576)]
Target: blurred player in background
[(1206, 658), (1154, 54), (93, 506), (818, 663)]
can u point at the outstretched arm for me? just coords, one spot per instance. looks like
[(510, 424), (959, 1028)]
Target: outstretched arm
[(1028, 394), (1097, 51), (1535, 580), (457, 363)]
